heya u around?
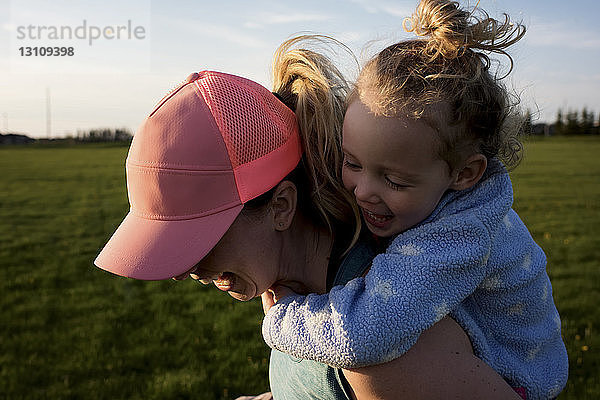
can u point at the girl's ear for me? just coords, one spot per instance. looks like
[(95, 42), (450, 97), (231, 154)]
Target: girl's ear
[(283, 205), (470, 173)]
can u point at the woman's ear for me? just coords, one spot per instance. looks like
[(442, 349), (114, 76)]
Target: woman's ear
[(283, 205), (470, 173)]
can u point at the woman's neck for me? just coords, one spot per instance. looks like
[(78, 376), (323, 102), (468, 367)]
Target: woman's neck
[(305, 257)]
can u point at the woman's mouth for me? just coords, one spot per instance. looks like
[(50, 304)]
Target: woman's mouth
[(225, 282), (229, 282), (377, 220)]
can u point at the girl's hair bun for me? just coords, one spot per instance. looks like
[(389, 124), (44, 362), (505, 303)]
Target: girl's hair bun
[(452, 30)]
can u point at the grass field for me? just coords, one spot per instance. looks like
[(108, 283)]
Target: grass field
[(70, 330)]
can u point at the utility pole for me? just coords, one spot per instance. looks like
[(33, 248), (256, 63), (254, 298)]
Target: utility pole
[(48, 122)]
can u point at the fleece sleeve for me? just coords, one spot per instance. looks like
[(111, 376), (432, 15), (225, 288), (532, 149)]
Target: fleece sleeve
[(423, 275)]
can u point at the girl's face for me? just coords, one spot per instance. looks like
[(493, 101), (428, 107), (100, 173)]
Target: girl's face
[(392, 167), (243, 263)]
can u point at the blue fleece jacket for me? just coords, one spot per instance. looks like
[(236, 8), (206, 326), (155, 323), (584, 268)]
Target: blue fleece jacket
[(473, 259)]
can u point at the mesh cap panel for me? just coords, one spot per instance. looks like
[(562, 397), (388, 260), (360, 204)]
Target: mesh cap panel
[(252, 121)]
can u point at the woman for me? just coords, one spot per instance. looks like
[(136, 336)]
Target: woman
[(227, 183)]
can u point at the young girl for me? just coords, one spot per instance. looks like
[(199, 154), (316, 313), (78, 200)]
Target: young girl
[(424, 133)]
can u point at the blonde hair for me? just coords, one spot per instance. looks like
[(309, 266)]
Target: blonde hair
[(309, 83), (444, 77)]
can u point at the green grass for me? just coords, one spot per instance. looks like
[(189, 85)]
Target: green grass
[(70, 330), (557, 194)]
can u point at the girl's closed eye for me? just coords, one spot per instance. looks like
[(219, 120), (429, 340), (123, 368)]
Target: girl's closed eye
[(395, 184), (351, 164)]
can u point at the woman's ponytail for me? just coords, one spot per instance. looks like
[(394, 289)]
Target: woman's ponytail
[(310, 84)]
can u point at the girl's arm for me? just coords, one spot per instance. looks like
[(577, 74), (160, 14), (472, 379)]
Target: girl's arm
[(441, 365), (426, 272)]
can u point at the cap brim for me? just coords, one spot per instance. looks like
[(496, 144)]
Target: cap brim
[(153, 250)]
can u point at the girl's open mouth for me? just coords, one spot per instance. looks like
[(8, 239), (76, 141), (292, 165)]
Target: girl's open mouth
[(377, 220)]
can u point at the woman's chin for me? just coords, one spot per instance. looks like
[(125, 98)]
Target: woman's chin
[(240, 296)]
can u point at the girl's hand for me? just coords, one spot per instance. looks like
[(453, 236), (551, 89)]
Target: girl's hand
[(273, 295), (268, 300), (264, 396)]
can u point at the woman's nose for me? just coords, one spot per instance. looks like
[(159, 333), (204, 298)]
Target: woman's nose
[(182, 276)]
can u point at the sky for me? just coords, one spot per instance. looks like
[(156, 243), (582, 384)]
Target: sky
[(128, 54)]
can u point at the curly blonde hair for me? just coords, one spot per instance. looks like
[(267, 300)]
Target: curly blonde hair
[(445, 78)]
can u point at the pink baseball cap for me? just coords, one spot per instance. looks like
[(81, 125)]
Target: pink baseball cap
[(209, 146)]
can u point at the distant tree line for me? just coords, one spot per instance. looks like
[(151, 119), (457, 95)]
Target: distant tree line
[(15, 138), (114, 135), (104, 135), (576, 123), (571, 122)]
